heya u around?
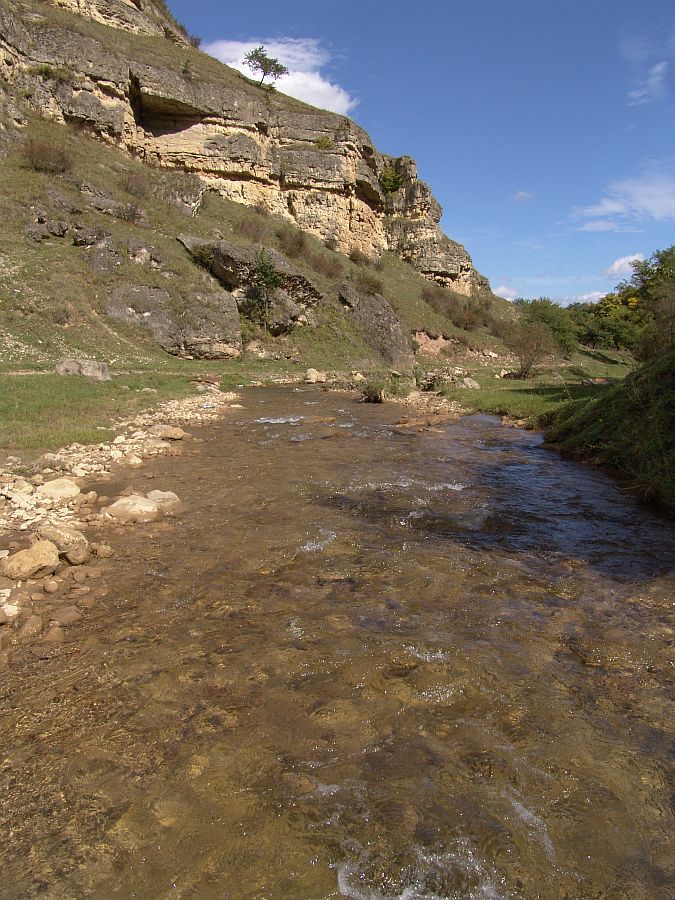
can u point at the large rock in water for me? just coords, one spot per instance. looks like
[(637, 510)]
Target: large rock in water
[(379, 325), (39, 560), (205, 325)]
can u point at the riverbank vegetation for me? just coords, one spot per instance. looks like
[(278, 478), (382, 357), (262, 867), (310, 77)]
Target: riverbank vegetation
[(631, 427), (530, 358)]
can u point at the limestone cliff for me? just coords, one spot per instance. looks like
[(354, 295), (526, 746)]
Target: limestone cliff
[(125, 71)]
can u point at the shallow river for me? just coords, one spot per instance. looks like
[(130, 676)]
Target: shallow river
[(366, 662)]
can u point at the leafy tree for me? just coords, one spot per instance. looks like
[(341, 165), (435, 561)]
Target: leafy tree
[(653, 285), (267, 66), (638, 315), (266, 280), (555, 317), (530, 343)]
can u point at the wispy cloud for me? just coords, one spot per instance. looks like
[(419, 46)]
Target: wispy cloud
[(304, 57), (521, 196), (629, 202), (507, 293), (622, 266), (651, 64), (653, 87)]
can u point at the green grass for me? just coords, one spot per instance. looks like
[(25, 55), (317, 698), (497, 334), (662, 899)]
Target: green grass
[(629, 428), (536, 399), (45, 412)]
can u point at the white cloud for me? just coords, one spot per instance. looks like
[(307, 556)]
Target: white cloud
[(622, 267), (591, 297), (519, 196), (650, 196), (653, 87), (304, 58), (506, 292)]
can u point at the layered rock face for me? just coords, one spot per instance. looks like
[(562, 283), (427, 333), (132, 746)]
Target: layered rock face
[(173, 107), (137, 16)]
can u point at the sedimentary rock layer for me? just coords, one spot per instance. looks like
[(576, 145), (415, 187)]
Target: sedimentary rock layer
[(123, 70)]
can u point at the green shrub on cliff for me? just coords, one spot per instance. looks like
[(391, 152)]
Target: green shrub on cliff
[(390, 180)]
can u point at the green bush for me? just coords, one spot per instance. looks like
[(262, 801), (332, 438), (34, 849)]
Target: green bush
[(330, 266), (530, 343), (265, 280), (252, 228), (390, 180), (57, 74), (359, 258), (555, 317)]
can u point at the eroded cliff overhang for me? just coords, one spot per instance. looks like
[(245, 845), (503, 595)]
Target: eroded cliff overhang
[(177, 108)]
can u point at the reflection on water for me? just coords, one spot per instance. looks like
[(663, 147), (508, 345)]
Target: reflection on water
[(366, 662)]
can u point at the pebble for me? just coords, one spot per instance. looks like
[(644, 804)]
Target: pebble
[(102, 551), (54, 635), (31, 628), (50, 586), (66, 615)]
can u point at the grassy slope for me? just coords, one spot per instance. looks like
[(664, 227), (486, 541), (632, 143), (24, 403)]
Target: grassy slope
[(630, 429), (42, 282), (536, 398)]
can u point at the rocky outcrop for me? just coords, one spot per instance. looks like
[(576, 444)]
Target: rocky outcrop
[(205, 325), (379, 325), (234, 267), (183, 110), (138, 16)]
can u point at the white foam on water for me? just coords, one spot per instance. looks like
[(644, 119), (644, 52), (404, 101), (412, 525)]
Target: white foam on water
[(406, 483), (278, 420), (311, 546), (295, 629), (438, 695), (460, 861), (428, 655), (327, 790), (535, 824)]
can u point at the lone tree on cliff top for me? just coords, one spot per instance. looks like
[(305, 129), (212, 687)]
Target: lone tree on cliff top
[(268, 67)]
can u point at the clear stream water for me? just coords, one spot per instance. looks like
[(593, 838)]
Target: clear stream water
[(366, 662)]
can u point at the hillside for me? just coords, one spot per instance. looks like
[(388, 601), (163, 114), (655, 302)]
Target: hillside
[(628, 429), (84, 247), (124, 72)]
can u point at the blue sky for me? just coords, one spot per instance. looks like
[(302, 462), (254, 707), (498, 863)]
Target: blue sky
[(546, 129)]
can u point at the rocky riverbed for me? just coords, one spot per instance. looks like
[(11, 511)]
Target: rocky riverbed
[(49, 559), (379, 653)]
